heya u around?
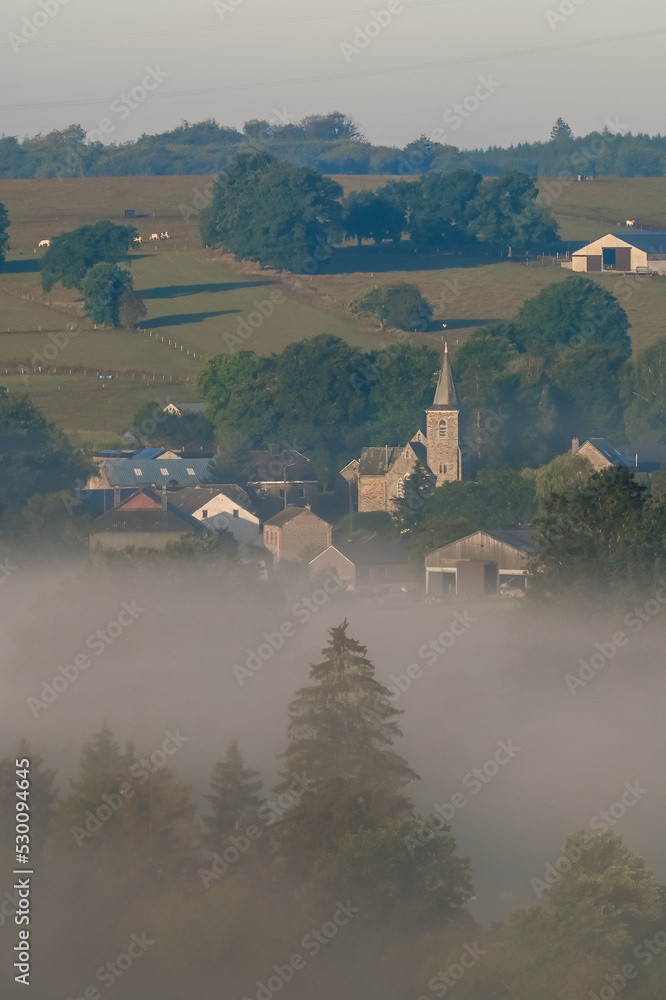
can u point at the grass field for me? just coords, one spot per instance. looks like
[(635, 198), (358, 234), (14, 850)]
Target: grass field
[(199, 301)]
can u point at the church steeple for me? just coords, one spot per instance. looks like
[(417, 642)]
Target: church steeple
[(444, 458), (445, 393)]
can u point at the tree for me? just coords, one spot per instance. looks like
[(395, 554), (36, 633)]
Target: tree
[(266, 210), (563, 474), (400, 305), (4, 236), (438, 208), (348, 827), (561, 130), (367, 215), (505, 211), (72, 254), (103, 287), (400, 386), (644, 389), (35, 457), (606, 538), (235, 800), (131, 308), (409, 507)]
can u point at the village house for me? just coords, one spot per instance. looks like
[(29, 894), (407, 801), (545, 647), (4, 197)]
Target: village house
[(635, 253), (284, 477), (641, 459), (178, 409), (296, 534), (144, 520), (375, 566), (382, 471), (482, 564), (156, 472), (220, 507)]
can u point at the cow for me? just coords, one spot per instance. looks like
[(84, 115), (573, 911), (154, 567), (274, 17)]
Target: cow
[(137, 239), (154, 237), (44, 243), (630, 223), (164, 236)]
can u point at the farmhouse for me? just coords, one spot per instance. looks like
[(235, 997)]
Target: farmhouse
[(145, 520), (178, 409), (640, 253), (295, 534), (481, 564), (382, 471), (220, 507)]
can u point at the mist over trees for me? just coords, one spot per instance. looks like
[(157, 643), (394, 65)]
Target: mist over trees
[(330, 143)]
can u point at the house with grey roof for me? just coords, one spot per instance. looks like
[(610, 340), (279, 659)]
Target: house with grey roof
[(225, 507), (641, 459), (282, 477), (178, 409), (296, 534), (375, 566)]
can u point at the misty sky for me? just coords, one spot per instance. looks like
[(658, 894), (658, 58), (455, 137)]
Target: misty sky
[(604, 61)]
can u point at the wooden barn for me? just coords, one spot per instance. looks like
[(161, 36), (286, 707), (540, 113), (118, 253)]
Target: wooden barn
[(482, 564)]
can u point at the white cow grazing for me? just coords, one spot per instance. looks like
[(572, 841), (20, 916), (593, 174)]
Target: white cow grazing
[(44, 243), (137, 239), (164, 236), (154, 236), (630, 223)]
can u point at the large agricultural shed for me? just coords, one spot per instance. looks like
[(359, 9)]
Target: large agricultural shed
[(481, 564), (624, 252)]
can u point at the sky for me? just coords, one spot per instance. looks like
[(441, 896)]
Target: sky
[(398, 69)]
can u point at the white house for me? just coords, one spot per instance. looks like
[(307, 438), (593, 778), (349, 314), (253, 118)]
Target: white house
[(219, 507), (178, 409)]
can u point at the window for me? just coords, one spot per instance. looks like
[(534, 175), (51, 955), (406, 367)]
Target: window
[(282, 494), (301, 494), (442, 428), (442, 470), (204, 513), (137, 472), (235, 513), (401, 487), (165, 472), (191, 472)]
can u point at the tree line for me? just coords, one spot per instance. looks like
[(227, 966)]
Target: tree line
[(330, 143), (242, 891)]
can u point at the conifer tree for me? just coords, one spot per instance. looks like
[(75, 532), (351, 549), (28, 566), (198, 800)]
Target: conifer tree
[(235, 799), (350, 827)]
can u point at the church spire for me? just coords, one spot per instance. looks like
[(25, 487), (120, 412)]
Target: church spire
[(445, 393)]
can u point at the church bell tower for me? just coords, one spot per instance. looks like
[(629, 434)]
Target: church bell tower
[(442, 428)]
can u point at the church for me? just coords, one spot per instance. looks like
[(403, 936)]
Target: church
[(381, 472)]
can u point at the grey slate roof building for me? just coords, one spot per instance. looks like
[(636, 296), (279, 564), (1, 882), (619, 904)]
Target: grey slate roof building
[(154, 472), (193, 497)]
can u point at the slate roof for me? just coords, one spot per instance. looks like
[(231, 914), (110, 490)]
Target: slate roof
[(284, 516), (122, 472), (97, 502), (445, 393), (267, 467), (608, 450), (148, 452), (192, 498), (188, 407), (374, 552), (654, 242), (377, 461)]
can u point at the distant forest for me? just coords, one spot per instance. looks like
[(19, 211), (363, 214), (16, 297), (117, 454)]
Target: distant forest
[(331, 144)]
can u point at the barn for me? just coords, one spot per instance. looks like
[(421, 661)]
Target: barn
[(638, 253), (484, 563)]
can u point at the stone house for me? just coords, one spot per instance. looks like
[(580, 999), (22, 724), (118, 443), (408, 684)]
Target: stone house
[(296, 534)]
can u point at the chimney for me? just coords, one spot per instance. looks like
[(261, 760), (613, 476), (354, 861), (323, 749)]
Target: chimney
[(164, 498), (575, 445), (116, 496)]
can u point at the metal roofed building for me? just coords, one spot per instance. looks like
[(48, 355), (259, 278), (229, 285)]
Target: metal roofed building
[(638, 253), (482, 564), (152, 472)]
